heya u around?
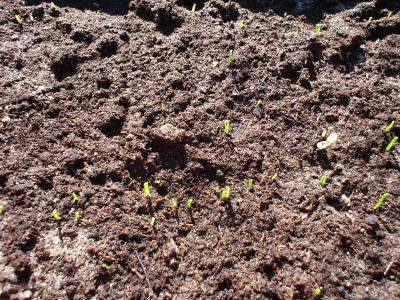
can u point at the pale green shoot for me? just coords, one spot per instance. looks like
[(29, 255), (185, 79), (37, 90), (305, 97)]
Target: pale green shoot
[(106, 266), (152, 222), (146, 190), (318, 28), (380, 201), (250, 184), (189, 203), (77, 216), (18, 19), (322, 181), (226, 194), (390, 126), (174, 203), (227, 126), (194, 8), (391, 144), (230, 57), (56, 216), (330, 141), (241, 24)]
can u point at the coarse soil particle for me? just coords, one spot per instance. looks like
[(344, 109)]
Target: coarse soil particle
[(98, 97)]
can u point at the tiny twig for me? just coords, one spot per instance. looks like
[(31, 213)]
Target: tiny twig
[(144, 271)]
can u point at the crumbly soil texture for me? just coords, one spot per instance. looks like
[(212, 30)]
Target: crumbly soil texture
[(99, 97)]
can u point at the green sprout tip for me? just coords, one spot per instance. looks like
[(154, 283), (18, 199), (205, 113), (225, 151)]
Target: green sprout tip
[(250, 184), (391, 144), (241, 24), (18, 19), (390, 126), (274, 177), (77, 216), (146, 190), (152, 222), (74, 197), (318, 28), (174, 203), (227, 126), (318, 292), (322, 181), (189, 203), (194, 8), (56, 216), (230, 57), (106, 266), (380, 201), (53, 6), (226, 194), (1, 210)]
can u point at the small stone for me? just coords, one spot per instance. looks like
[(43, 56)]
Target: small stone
[(6, 119), (169, 133)]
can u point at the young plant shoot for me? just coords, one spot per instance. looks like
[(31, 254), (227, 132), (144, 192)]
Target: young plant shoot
[(106, 266), (250, 184), (74, 197), (380, 201), (322, 181), (77, 216), (318, 28), (174, 203), (53, 6), (146, 190), (318, 292), (370, 19), (241, 24), (194, 8), (189, 203), (391, 144), (230, 57), (390, 13), (1, 210), (274, 177), (258, 104), (18, 19), (56, 216), (226, 194), (330, 141), (390, 126), (227, 126), (152, 222)]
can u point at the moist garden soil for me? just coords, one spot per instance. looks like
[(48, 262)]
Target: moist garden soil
[(99, 97)]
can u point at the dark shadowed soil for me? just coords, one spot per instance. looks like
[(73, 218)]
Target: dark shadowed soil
[(98, 97)]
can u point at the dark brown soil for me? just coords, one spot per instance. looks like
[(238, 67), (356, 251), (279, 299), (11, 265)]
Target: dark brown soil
[(81, 93)]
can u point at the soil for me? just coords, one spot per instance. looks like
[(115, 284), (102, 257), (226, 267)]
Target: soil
[(98, 97)]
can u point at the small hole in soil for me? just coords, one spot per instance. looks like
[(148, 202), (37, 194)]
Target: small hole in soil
[(224, 284), (29, 244), (188, 4), (113, 127)]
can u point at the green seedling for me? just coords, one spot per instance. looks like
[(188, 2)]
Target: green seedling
[(241, 24), (324, 134), (285, 14), (380, 201), (1, 210), (146, 190), (152, 222), (227, 126), (322, 181), (250, 184), (106, 266), (390, 13), (330, 141), (31, 18), (370, 19), (226, 194), (74, 197), (391, 144), (390, 126), (194, 8), (163, 106), (230, 57), (18, 19), (174, 203), (258, 103), (318, 292), (189, 203), (108, 25), (77, 216), (274, 177), (318, 28), (56, 216), (53, 6), (159, 183)]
